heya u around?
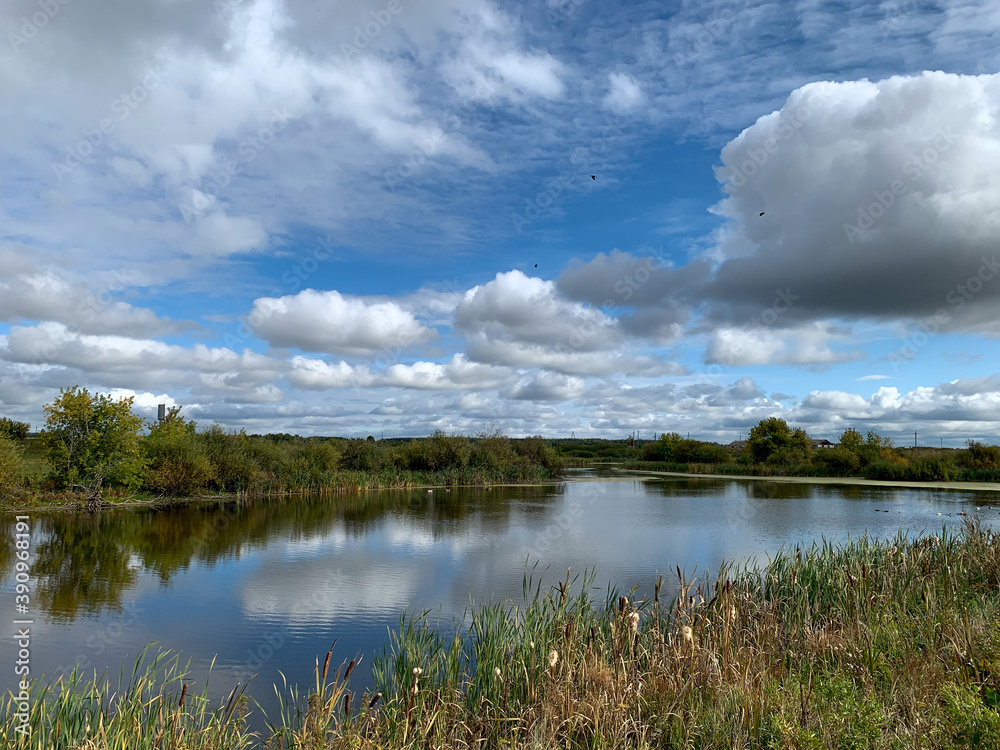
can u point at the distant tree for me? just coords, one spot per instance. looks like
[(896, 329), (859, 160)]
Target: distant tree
[(14, 430), (92, 440), (772, 439), (980, 456), (851, 440)]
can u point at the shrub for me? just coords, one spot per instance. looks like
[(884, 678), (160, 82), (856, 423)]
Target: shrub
[(11, 466), (536, 451), (234, 468), (362, 455), (176, 459), (14, 430), (837, 459), (980, 456)]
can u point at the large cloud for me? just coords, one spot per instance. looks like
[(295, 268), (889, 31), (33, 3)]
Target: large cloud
[(878, 201), (331, 323)]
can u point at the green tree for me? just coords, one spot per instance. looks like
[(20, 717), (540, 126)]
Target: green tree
[(772, 439), (92, 440), (177, 462), (14, 430), (11, 466), (852, 441)]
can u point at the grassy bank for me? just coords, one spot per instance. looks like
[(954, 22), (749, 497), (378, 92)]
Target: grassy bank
[(873, 644), (175, 462)]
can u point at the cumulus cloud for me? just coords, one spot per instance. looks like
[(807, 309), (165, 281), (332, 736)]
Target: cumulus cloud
[(29, 291), (864, 185), (332, 323), (806, 346)]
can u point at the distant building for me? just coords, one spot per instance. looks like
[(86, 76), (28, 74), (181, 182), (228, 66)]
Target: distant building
[(823, 443), (736, 445)]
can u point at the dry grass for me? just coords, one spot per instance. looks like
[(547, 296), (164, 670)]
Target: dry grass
[(873, 644)]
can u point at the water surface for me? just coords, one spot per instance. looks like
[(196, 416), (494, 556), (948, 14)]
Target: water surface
[(269, 586)]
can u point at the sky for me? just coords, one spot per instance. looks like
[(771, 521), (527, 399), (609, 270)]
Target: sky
[(561, 218)]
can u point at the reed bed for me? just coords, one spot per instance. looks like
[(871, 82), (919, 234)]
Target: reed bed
[(869, 644)]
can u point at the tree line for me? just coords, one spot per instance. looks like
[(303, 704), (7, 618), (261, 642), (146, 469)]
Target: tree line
[(773, 447), (94, 443)]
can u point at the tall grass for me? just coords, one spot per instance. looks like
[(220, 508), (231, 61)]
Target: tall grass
[(870, 644)]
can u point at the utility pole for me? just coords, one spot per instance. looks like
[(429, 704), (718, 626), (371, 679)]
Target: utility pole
[(914, 438)]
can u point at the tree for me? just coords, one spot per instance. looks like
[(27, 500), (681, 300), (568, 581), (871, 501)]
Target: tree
[(12, 429), (92, 440), (772, 439), (852, 441)]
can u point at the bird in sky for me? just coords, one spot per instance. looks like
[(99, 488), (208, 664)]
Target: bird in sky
[(593, 177), (761, 213)]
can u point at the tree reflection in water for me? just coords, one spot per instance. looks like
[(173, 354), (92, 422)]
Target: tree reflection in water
[(85, 563)]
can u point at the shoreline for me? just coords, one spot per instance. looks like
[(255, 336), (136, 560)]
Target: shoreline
[(848, 481)]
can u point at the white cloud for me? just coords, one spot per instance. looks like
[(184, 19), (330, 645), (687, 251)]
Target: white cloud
[(331, 323), (624, 94)]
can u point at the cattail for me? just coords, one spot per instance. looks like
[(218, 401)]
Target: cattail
[(350, 668), (347, 704), (496, 671), (553, 658), (326, 663), (633, 622), (417, 671), (622, 604), (374, 700), (687, 634), (184, 690), (731, 613), (531, 645)]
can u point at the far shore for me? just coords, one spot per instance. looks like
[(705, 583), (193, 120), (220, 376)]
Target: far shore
[(854, 481)]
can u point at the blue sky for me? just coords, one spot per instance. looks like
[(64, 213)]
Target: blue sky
[(350, 218)]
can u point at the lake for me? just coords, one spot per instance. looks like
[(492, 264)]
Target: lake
[(270, 585)]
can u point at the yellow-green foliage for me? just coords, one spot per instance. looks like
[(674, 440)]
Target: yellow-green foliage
[(92, 440), (177, 463), (11, 466)]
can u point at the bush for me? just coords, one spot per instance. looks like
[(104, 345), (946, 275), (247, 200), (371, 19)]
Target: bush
[(11, 467), (837, 460), (314, 464), (176, 459), (673, 448), (234, 468), (535, 451), (362, 455), (14, 430), (980, 456)]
